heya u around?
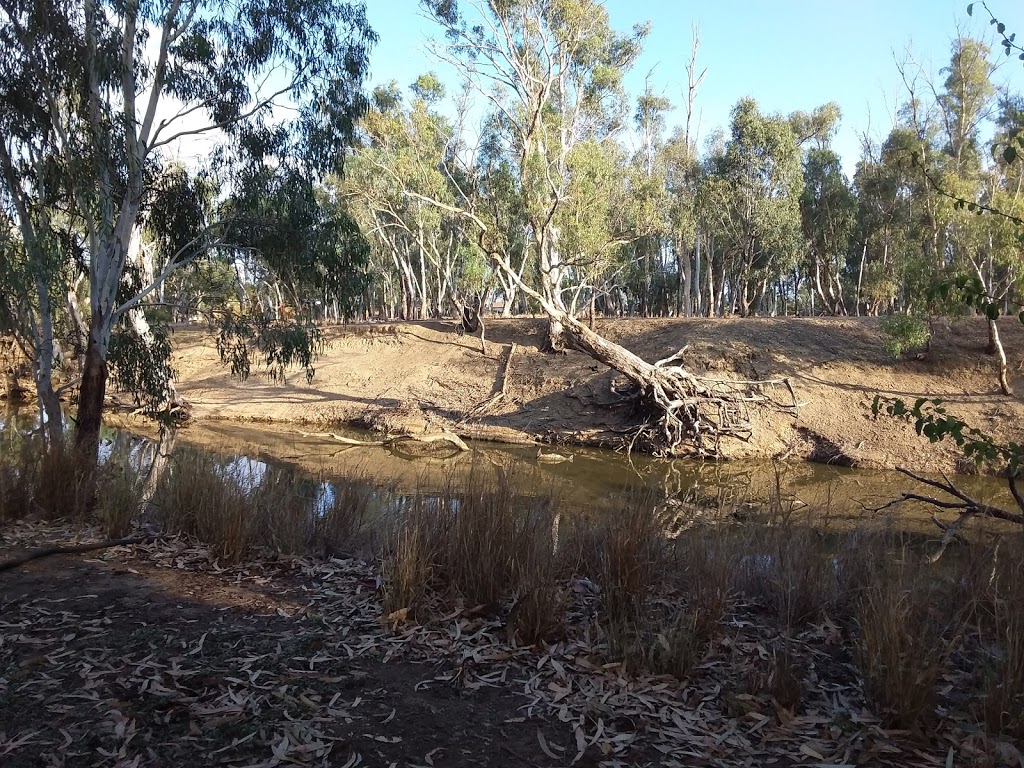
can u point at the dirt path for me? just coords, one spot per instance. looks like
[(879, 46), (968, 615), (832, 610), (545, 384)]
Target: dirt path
[(421, 376)]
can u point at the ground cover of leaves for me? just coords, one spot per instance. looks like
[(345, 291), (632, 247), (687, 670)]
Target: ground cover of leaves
[(156, 655)]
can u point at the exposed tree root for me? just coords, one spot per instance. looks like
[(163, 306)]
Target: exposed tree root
[(482, 409), (35, 554), (683, 414)]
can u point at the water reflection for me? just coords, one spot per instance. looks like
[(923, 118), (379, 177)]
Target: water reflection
[(682, 490)]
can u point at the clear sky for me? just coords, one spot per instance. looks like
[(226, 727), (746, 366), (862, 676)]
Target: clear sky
[(788, 54)]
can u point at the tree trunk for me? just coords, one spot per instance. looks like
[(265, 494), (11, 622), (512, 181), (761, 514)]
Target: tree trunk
[(687, 266), (1004, 383), (91, 394)]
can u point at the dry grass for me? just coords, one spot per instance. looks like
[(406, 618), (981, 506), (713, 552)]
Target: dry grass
[(15, 493), (343, 524), (907, 630), (1002, 640), (195, 498), (480, 542), (119, 498), (658, 598), (629, 556), (44, 482)]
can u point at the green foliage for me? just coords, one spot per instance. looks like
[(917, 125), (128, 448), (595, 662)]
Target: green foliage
[(141, 367), (903, 333), (243, 339), (933, 421)]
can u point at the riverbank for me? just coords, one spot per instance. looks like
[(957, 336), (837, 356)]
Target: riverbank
[(419, 377)]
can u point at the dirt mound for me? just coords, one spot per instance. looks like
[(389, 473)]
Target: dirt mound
[(417, 377)]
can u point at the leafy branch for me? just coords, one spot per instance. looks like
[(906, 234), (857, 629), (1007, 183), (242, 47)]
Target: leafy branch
[(280, 344), (933, 421)]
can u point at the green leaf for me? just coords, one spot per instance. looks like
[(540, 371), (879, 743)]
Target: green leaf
[(992, 311), (1000, 27), (1021, 316), (970, 9)]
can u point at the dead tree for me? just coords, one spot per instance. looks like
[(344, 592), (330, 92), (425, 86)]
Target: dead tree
[(682, 414)]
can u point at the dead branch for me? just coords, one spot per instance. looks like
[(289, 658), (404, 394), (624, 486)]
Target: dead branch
[(964, 502), (966, 506), (950, 533), (447, 437), (35, 554)]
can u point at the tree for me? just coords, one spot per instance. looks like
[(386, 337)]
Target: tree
[(94, 95), (750, 197), (553, 70), (828, 208)]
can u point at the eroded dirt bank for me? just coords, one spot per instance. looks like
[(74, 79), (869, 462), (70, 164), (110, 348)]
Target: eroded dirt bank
[(415, 377)]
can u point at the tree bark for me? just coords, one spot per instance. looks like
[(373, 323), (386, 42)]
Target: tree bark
[(997, 343), (91, 395)]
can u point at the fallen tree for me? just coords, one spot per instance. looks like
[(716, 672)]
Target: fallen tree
[(681, 413)]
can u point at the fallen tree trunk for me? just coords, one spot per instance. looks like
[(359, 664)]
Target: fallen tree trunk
[(35, 554), (683, 414)]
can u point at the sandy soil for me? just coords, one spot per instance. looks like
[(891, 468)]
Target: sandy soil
[(417, 377)]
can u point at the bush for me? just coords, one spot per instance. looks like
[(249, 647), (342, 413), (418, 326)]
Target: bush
[(903, 333)]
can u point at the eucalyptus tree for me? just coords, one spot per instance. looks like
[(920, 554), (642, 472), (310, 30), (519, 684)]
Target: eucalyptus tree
[(400, 187), (883, 226), (649, 185), (95, 96), (750, 200), (553, 70), (597, 218), (829, 208)]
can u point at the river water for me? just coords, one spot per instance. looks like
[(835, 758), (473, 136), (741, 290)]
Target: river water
[(589, 481), (579, 478)]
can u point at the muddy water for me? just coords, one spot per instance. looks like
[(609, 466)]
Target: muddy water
[(581, 479), (591, 480)]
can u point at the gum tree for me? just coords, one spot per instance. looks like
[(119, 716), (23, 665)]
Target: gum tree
[(96, 95)]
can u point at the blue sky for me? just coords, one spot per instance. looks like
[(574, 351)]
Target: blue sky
[(788, 54)]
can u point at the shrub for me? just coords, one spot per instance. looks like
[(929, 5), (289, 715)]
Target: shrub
[(903, 333)]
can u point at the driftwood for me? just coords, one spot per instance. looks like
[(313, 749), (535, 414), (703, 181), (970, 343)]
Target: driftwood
[(552, 458), (35, 554), (390, 442)]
